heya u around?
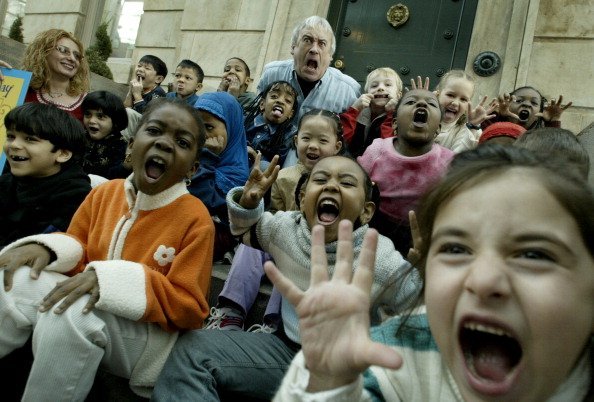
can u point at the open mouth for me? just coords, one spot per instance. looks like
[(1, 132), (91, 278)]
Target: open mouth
[(524, 114), (380, 96), (277, 111), (491, 355), (312, 64), (328, 211), (17, 158), (312, 157), (420, 117), (155, 168)]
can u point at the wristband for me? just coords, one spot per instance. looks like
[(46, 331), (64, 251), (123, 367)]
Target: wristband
[(473, 126)]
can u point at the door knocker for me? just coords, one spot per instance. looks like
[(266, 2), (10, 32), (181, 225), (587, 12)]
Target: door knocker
[(397, 15)]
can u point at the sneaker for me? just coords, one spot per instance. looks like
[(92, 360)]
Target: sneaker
[(262, 328), (225, 319)]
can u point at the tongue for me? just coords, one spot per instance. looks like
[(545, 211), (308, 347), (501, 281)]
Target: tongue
[(327, 217), (277, 113), (153, 170), (492, 363)]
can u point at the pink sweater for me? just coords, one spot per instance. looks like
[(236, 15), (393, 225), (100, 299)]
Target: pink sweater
[(402, 180)]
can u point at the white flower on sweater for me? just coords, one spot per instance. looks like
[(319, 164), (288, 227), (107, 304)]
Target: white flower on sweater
[(164, 255)]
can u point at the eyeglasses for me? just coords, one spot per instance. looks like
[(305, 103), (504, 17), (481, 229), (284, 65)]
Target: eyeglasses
[(66, 50)]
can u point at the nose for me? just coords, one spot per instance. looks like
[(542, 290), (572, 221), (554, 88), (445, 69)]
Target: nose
[(331, 185), (15, 143), (315, 48), (164, 144), (312, 145), (487, 278)]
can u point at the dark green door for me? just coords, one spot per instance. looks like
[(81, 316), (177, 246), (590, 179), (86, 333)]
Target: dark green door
[(433, 40)]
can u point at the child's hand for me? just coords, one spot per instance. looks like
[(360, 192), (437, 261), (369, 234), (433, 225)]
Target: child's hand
[(419, 84), (234, 86), (32, 255), (553, 110), (503, 103), (216, 145), (479, 114), (414, 253), (224, 85), (251, 154), (363, 102), (391, 105), (259, 182), (136, 88), (71, 290), (334, 313)]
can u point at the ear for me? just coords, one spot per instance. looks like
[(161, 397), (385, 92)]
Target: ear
[(248, 81), (292, 50), (63, 155), (367, 212), (295, 140), (193, 169), (436, 92), (198, 87), (159, 79), (301, 195), (261, 106), (338, 146)]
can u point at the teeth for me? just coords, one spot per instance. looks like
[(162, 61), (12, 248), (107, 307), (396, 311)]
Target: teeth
[(488, 329), (158, 160), (329, 202)]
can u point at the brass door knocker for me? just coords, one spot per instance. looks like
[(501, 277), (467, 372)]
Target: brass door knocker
[(397, 15)]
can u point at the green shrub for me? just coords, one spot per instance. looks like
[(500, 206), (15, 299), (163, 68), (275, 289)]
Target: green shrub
[(98, 53), (16, 30)]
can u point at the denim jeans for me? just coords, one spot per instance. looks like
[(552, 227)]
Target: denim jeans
[(207, 363)]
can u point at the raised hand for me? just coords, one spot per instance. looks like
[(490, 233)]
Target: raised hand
[(363, 101), (33, 255), (136, 88), (215, 144), (414, 253), (503, 102), (553, 110), (334, 313), (71, 290), (392, 103), (419, 84), (481, 113), (259, 182)]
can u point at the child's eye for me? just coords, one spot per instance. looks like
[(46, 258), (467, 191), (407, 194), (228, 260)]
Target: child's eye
[(410, 102), (433, 104), (31, 138), (535, 104), (452, 248), (208, 126), (87, 114), (534, 254), (10, 137), (183, 143), (348, 184), (273, 96), (152, 130)]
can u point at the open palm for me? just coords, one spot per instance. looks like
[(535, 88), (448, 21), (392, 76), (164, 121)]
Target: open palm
[(334, 313)]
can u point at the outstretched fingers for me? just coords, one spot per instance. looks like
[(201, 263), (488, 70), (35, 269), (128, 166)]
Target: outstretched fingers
[(363, 277), (344, 253), (319, 261), (284, 285)]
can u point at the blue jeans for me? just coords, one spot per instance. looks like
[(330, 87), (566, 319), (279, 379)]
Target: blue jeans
[(206, 363)]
